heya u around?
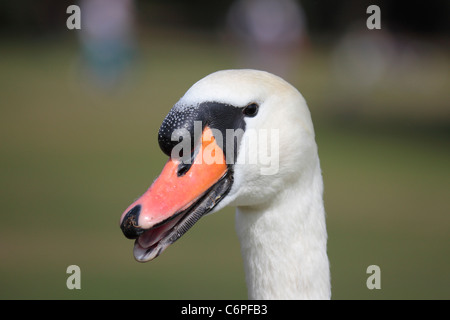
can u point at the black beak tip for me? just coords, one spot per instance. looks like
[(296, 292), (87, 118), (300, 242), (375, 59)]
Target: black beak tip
[(129, 225)]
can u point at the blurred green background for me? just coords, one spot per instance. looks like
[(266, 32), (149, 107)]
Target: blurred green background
[(79, 142)]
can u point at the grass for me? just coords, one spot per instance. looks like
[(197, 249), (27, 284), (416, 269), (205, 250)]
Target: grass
[(72, 159)]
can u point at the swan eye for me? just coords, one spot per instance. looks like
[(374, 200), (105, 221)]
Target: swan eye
[(251, 110)]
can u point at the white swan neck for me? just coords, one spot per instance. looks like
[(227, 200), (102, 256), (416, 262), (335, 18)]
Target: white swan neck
[(283, 243)]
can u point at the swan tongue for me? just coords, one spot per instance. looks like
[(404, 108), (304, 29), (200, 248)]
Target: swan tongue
[(175, 199), (154, 241)]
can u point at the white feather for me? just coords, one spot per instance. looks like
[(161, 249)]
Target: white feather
[(280, 219)]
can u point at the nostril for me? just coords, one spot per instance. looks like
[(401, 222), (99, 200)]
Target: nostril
[(183, 168), (129, 225)]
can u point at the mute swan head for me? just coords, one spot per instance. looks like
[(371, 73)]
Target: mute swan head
[(240, 138)]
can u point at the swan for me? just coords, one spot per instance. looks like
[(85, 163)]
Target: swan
[(280, 216)]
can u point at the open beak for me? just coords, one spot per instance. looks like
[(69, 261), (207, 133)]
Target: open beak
[(177, 199)]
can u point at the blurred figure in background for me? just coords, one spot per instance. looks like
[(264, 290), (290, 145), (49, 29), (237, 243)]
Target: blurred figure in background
[(107, 40), (362, 57), (270, 33), (388, 66)]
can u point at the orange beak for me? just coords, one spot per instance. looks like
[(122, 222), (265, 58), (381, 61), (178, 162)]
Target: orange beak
[(175, 199)]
